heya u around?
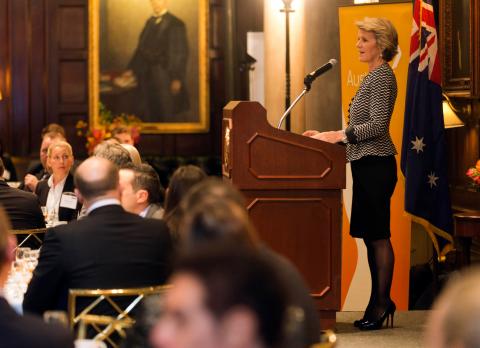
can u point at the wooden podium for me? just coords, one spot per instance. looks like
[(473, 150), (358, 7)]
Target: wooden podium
[(293, 188)]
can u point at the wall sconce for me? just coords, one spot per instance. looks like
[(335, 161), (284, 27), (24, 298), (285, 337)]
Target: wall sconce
[(1, 96), (450, 117)]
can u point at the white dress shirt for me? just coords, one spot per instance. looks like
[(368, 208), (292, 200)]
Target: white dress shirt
[(102, 203), (53, 198)]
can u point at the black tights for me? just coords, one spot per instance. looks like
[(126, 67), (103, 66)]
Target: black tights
[(380, 261)]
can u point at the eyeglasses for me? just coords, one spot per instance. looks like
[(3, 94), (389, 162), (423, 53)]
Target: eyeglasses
[(60, 158)]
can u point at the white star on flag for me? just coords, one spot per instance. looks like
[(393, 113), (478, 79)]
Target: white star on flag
[(418, 144), (432, 179)]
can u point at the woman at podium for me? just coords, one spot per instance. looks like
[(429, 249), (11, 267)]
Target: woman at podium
[(371, 153)]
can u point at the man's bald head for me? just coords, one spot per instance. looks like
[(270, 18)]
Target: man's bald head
[(96, 177)]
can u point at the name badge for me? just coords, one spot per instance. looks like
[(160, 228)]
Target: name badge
[(68, 200)]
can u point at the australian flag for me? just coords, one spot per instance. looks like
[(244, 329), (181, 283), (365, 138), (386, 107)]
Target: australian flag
[(423, 160)]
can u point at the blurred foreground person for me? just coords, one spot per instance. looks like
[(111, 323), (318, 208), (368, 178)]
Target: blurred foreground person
[(223, 296), (214, 211), (455, 318), (109, 248), (25, 331)]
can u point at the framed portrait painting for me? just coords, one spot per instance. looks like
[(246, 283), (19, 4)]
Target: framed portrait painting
[(149, 58), (455, 35)]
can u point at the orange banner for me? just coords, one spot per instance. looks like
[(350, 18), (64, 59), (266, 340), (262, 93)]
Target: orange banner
[(355, 272)]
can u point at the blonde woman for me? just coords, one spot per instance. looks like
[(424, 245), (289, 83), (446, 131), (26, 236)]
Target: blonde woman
[(56, 193), (371, 152)]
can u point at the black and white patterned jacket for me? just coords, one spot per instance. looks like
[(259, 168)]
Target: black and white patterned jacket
[(370, 113)]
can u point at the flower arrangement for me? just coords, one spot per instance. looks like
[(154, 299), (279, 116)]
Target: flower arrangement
[(107, 123), (474, 174)]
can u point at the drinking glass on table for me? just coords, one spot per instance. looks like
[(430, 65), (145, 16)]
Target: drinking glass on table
[(44, 212), (21, 253), (52, 217)]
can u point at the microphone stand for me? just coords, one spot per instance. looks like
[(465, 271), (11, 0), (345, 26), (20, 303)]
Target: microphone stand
[(307, 81)]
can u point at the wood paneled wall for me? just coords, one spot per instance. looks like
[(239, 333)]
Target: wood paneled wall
[(44, 78), (22, 68), (464, 91)]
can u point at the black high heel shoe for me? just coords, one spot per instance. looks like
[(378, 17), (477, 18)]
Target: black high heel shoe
[(377, 324), (359, 322)]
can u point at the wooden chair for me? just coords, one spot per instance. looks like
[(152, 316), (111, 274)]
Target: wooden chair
[(108, 328), (31, 235)]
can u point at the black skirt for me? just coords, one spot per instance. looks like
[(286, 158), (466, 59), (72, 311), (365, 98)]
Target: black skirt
[(374, 180)]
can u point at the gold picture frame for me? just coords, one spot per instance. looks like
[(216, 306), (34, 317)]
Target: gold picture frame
[(128, 20)]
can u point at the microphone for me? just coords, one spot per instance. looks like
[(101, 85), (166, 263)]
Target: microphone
[(307, 81), (316, 73)]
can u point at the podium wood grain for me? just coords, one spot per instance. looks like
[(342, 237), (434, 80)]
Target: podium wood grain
[(293, 188)]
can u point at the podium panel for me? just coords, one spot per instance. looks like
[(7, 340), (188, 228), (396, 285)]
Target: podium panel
[(293, 188)]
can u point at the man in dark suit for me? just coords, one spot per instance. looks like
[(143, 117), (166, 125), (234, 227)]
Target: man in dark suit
[(23, 331), (37, 170), (141, 191), (159, 64), (109, 248), (23, 208)]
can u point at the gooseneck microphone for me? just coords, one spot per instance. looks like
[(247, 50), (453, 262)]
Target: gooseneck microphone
[(307, 81), (316, 73)]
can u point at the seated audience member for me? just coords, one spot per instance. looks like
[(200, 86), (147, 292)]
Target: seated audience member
[(23, 208), (57, 192), (109, 248), (123, 135), (141, 192), (113, 152), (223, 296), (184, 178), (214, 210), (9, 171), (134, 154), (23, 331), (54, 128), (39, 170), (455, 318)]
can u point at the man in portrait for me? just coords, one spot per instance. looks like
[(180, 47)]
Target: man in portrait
[(158, 67)]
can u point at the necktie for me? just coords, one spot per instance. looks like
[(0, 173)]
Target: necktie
[(158, 19)]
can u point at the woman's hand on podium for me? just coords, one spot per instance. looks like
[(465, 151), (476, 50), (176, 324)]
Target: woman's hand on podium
[(310, 133), (330, 137)]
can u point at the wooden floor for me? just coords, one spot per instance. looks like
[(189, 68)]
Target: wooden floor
[(407, 332)]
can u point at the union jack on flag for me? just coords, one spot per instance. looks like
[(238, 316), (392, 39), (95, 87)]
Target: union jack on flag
[(423, 158)]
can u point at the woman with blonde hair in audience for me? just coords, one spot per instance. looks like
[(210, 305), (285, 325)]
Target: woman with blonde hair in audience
[(56, 194), (134, 154)]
